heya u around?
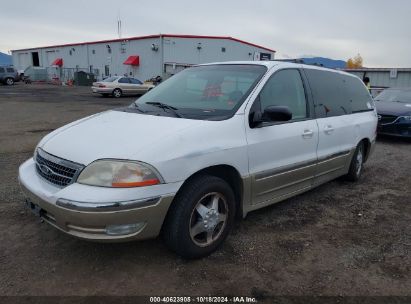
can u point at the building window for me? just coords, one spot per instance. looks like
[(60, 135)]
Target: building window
[(71, 52), (93, 52), (223, 49)]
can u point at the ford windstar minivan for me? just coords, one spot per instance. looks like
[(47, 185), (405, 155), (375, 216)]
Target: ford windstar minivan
[(210, 144)]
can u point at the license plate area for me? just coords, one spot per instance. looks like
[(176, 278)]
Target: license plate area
[(35, 209)]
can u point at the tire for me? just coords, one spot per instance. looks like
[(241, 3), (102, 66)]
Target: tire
[(194, 227), (117, 93), (9, 81), (357, 164)]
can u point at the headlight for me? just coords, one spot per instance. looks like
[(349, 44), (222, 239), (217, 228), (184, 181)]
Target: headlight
[(406, 118), (119, 174)]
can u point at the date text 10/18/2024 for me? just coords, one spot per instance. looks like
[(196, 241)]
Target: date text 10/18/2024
[(207, 299)]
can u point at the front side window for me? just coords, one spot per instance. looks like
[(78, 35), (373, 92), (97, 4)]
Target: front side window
[(285, 88), (10, 70), (212, 92)]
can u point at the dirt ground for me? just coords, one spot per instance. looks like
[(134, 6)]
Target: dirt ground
[(338, 239)]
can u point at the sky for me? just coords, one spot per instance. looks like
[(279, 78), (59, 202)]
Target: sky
[(379, 30)]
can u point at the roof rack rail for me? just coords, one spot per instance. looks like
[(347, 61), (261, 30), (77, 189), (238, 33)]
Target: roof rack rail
[(290, 60), (301, 61)]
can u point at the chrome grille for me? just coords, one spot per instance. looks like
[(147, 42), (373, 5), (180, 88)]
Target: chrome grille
[(386, 119), (56, 170)]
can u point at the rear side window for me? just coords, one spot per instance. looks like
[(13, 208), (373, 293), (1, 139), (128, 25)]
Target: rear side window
[(358, 95), (285, 88), (2, 70), (330, 93), (135, 81), (10, 70), (123, 80)]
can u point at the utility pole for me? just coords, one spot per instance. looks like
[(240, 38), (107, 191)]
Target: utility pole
[(119, 25)]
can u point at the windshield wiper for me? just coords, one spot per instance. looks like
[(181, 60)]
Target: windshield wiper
[(138, 108), (165, 106)]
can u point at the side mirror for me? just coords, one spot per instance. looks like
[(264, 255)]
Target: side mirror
[(271, 113), (277, 113)]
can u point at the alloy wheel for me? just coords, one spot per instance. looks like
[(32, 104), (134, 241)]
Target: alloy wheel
[(208, 219), (359, 161), (117, 93)]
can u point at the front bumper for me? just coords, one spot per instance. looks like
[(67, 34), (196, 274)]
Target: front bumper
[(86, 212), (400, 129)]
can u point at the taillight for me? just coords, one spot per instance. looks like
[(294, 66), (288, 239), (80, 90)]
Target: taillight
[(101, 86)]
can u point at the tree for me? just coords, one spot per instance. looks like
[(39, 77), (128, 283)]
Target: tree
[(355, 63)]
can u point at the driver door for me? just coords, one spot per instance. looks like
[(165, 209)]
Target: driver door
[(282, 155)]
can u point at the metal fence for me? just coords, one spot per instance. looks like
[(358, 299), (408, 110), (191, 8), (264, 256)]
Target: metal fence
[(54, 74)]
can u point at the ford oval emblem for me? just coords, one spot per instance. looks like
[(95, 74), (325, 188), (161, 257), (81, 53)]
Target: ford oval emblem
[(46, 170)]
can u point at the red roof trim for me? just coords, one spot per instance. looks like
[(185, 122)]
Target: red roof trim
[(149, 37)]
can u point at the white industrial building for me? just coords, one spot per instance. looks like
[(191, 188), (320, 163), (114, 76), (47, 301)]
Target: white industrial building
[(141, 57), (382, 78)]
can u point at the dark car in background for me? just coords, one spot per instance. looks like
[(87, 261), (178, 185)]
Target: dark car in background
[(8, 75), (394, 112)]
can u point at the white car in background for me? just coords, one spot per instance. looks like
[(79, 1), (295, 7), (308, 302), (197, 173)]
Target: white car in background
[(118, 86), (211, 143)]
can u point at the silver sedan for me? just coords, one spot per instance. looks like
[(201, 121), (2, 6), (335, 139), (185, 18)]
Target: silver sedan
[(118, 86)]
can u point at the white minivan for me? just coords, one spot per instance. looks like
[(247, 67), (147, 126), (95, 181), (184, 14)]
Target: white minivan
[(208, 145)]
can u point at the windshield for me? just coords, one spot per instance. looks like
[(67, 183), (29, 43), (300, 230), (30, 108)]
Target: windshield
[(395, 95), (211, 92), (110, 79)]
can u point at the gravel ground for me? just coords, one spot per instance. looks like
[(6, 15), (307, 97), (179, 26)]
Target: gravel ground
[(339, 239)]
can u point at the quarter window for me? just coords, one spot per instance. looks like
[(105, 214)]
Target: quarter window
[(358, 95), (285, 88)]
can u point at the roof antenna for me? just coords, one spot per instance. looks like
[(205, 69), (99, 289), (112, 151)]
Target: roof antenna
[(119, 25)]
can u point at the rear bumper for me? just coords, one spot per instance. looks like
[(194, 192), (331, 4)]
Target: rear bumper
[(98, 90), (93, 216)]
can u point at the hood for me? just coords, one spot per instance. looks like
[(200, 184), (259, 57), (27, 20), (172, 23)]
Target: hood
[(111, 134), (393, 108)]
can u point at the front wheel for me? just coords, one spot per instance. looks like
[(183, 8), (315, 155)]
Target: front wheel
[(117, 93), (357, 164), (200, 218), (9, 81)]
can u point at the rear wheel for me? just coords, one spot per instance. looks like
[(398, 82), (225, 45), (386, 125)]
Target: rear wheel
[(200, 218), (117, 93), (9, 81), (357, 164)]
